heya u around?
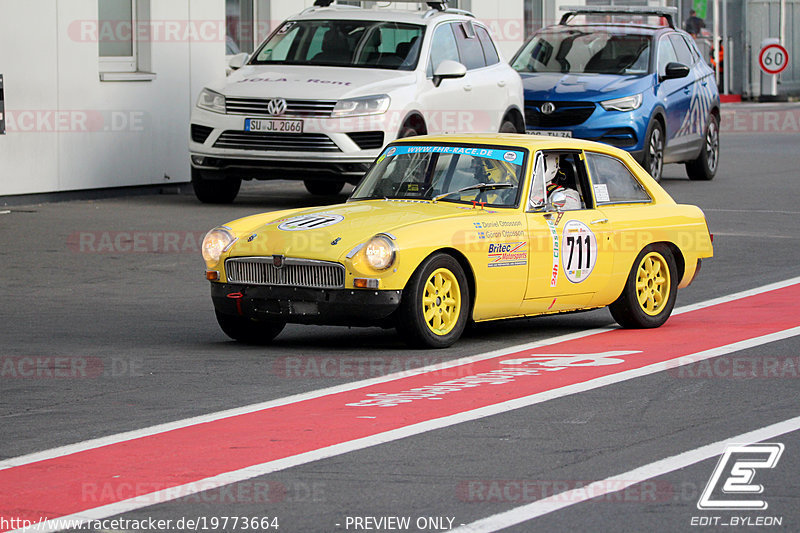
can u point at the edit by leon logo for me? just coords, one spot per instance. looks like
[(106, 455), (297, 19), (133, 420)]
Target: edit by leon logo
[(739, 463)]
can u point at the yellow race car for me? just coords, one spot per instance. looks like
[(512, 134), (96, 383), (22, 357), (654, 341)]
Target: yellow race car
[(444, 230)]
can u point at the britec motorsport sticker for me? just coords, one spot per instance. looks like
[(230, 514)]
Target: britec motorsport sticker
[(579, 252), (304, 222)]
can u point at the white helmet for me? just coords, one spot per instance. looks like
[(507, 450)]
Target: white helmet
[(550, 168)]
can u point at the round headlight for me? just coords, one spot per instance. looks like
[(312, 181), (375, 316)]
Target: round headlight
[(380, 252), (215, 243)]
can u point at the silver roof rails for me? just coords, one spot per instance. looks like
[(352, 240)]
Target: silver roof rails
[(667, 12), (438, 6)]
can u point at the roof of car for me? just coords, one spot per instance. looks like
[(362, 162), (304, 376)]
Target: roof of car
[(386, 15), (532, 142)]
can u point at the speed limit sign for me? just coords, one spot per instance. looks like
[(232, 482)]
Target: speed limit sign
[(773, 59)]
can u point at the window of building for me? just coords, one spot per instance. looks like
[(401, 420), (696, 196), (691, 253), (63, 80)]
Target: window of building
[(534, 16), (122, 44), (239, 24), (613, 182)]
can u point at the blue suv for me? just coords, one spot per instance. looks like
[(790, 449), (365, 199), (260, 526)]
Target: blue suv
[(641, 87)]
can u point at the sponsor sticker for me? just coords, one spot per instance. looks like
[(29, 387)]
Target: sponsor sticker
[(508, 254), (554, 235), (306, 222), (580, 251), (510, 156)]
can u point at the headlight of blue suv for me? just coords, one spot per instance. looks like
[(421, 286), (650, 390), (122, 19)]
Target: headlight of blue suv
[(626, 103), (211, 101), (367, 105)]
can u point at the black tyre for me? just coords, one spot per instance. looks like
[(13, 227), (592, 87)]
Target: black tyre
[(649, 294), (214, 191), (435, 305), (407, 131), (654, 150), (250, 331), (704, 168), (323, 187), (508, 127)]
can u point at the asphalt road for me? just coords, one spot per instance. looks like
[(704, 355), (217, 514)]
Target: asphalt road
[(117, 286)]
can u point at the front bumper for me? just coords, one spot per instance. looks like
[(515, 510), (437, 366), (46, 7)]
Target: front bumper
[(334, 307)]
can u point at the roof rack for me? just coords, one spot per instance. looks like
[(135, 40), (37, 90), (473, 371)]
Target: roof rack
[(667, 12), (438, 6)]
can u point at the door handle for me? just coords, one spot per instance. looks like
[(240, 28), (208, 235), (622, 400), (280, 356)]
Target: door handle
[(467, 88), (599, 221)]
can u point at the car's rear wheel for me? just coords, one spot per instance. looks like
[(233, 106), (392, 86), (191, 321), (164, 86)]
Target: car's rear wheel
[(323, 187), (654, 150), (649, 294), (435, 305), (250, 331), (222, 190), (704, 168)]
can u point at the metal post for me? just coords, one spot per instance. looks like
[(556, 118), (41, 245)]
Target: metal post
[(715, 41), (727, 87)]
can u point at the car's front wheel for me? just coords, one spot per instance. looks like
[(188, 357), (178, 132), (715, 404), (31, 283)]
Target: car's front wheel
[(435, 306), (704, 168), (250, 331), (654, 150), (221, 190), (650, 290), (323, 187)]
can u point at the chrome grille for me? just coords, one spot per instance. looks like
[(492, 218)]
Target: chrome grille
[(294, 272), (276, 142), (294, 108)]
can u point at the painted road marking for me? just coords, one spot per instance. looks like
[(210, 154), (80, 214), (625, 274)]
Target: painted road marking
[(621, 482), (98, 481)]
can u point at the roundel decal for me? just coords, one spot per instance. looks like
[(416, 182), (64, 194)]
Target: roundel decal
[(579, 251), (306, 222)]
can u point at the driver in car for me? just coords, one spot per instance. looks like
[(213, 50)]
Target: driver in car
[(556, 181)]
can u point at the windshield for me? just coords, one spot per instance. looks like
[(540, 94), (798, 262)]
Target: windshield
[(425, 172), (585, 51), (343, 43)]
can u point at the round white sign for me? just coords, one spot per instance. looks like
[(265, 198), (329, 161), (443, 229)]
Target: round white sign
[(578, 251)]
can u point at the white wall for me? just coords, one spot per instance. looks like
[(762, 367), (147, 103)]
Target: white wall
[(111, 133)]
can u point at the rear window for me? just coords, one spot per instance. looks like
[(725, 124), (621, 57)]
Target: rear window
[(612, 181), (585, 51), (469, 47), (489, 51)]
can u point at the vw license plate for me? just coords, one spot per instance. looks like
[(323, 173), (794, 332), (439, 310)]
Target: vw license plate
[(273, 126), (550, 133)]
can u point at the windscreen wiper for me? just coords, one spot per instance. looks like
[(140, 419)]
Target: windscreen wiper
[(476, 187)]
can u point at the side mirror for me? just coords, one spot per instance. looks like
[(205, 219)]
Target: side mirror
[(448, 69), (238, 61), (557, 201), (675, 70)]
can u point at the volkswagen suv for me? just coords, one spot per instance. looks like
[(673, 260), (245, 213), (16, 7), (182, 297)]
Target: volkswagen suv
[(331, 86)]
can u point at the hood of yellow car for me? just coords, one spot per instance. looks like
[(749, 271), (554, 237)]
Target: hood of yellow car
[(328, 233)]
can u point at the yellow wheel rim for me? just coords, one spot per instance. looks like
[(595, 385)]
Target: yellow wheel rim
[(653, 283), (441, 301)]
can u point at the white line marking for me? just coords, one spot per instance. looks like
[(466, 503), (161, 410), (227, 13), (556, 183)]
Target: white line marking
[(211, 417), (622, 481), (243, 474)]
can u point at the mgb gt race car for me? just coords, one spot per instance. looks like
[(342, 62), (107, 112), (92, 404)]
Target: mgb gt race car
[(444, 230)]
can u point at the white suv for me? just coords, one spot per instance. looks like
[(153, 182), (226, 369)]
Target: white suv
[(333, 85)]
